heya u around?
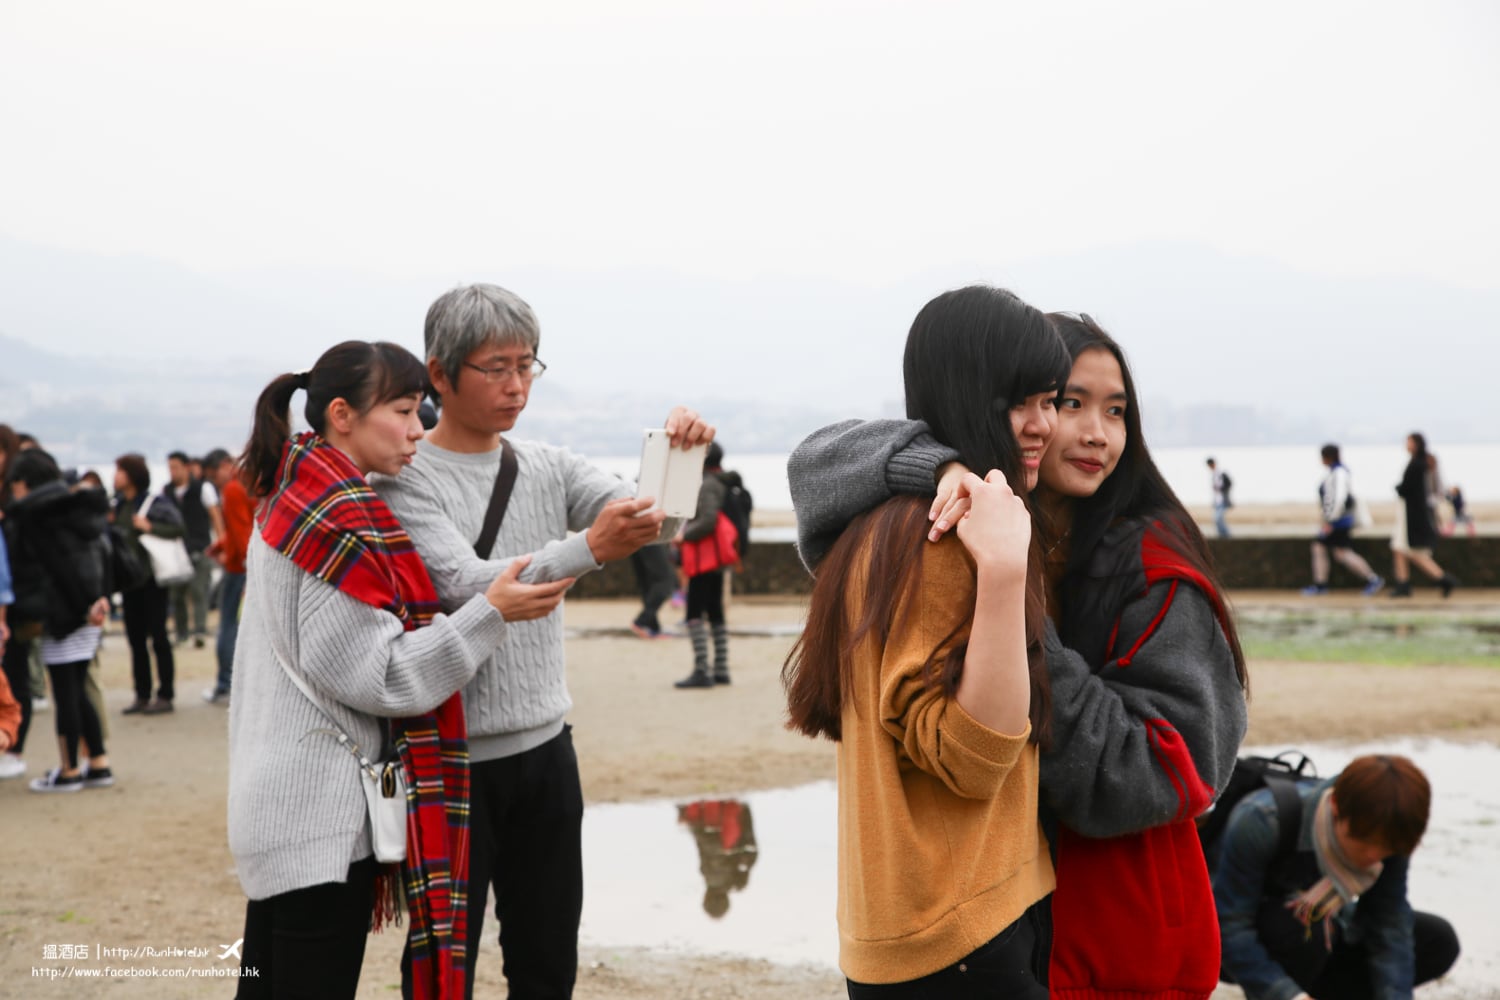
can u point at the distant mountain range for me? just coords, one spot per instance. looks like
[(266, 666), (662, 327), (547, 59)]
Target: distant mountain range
[(101, 354)]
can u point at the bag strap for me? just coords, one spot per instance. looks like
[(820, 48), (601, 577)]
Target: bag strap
[(335, 731), (505, 481), (1288, 812)]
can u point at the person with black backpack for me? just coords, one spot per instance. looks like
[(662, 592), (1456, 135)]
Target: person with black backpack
[(1221, 484), (709, 545), (1320, 911)]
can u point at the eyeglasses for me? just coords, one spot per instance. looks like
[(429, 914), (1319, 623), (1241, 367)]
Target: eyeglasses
[(528, 370)]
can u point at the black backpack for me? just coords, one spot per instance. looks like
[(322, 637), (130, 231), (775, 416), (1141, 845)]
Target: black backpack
[(1280, 774), (1228, 484), (738, 503)]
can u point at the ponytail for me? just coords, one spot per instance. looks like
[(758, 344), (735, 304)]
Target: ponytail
[(271, 431)]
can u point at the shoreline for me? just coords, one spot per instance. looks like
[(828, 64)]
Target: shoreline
[(1258, 520)]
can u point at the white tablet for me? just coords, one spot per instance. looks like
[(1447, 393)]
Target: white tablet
[(669, 474)]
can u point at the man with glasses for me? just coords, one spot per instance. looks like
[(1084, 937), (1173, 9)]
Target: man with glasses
[(526, 802)]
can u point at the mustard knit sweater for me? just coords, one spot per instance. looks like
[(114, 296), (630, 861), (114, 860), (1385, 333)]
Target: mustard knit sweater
[(939, 844)]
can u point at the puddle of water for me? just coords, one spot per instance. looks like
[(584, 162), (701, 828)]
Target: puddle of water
[(650, 867), (645, 885)]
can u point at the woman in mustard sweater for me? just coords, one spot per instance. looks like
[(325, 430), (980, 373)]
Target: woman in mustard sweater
[(925, 663)]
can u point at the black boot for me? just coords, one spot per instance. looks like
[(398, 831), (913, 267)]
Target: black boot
[(1447, 581), (1401, 588)]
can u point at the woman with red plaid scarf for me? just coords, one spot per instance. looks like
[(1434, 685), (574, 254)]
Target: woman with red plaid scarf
[(338, 603)]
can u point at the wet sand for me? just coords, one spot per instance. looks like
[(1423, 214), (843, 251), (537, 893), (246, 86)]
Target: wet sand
[(145, 864)]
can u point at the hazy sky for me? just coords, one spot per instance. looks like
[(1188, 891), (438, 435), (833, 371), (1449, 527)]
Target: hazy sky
[(862, 143), (854, 140)]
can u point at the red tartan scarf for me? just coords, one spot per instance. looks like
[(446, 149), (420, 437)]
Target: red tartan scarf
[(325, 518)]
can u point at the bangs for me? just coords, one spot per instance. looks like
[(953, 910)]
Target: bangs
[(398, 373), (1040, 364)]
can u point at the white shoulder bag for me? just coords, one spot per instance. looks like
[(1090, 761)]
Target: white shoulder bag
[(170, 562), (384, 783)]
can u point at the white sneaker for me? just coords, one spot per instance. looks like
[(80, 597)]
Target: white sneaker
[(11, 766), (40, 704)]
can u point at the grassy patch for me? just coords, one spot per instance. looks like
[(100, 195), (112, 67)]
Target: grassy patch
[(1364, 637)]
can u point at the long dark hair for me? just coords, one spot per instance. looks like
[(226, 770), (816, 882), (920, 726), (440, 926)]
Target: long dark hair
[(1135, 490), (1421, 457), (971, 355), (9, 446), (362, 373)]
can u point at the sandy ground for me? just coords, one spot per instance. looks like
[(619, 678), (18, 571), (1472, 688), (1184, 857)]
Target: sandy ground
[(144, 865)]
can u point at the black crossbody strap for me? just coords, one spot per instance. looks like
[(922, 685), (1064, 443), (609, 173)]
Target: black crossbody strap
[(505, 481), (1288, 813)]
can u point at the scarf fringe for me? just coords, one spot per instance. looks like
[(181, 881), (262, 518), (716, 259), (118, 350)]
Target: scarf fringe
[(390, 899)]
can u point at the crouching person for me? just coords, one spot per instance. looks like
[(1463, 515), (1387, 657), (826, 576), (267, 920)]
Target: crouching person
[(1327, 917)]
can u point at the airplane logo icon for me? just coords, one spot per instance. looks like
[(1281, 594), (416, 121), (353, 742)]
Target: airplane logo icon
[(232, 949)]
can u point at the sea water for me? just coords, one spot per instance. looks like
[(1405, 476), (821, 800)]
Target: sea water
[(1261, 474)]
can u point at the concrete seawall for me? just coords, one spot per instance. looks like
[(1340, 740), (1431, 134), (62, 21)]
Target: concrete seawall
[(1253, 563)]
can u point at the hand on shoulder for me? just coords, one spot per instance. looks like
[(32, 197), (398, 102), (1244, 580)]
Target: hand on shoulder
[(997, 527)]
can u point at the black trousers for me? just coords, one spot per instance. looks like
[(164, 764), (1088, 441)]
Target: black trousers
[(309, 942), (76, 718), (525, 840), (1012, 964), (655, 580), (145, 610), (18, 673), (705, 597), (1343, 973)]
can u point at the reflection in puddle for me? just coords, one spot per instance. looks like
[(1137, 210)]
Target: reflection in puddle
[(646, 887), (645, 879), (726, 848)]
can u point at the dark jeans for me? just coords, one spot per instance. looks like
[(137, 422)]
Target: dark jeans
[(655, 579), (309, 942), (231, 590), (1012, 965), (76, 718), (18, 672), (145, 610), (705, 597), (525, 839), (1344, 974)]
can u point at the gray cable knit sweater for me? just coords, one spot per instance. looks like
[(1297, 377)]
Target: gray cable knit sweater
[(297, 813), (519, 698)]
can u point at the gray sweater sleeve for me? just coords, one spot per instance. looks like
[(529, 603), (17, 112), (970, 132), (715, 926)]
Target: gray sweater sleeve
[(389, 671), (850, 467), (426, 508), (1152, 737)]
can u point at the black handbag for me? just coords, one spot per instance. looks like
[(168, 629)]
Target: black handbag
[(125, 567)]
